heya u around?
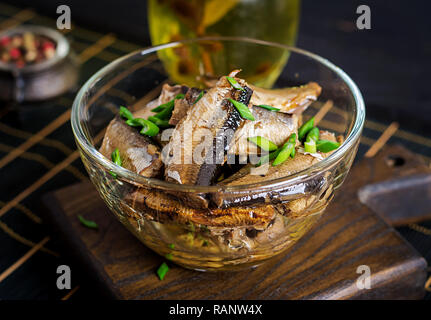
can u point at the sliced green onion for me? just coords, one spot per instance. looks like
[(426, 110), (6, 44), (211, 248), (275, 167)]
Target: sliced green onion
[(305, 128), (265, 106), (234, 83), (313, 134), (311, 139), (134, 122), (268, 157), (326, 145), (310, 146), (169, 256), (284, 153), (88, 223), (125, 113), (201, 94), (286, 150), (162, 270), (159, 122), (148, 127), (292, 139), (171, 246), (169, 103), (163, 106), (116, 158), (263, 143), (166, 113), (243, 110)]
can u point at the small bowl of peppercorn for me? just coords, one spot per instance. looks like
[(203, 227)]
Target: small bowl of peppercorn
[(36, 63)]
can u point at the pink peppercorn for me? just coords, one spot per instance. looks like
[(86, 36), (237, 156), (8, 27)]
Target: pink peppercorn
[(4, 41), (48, 45), (14, 53)]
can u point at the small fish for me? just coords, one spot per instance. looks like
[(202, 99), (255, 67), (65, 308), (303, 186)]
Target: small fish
[(138, 152), (167, 94), (183, 105), (199, 145), (274, 126), (288, 100), (161, 206), (251, 175)]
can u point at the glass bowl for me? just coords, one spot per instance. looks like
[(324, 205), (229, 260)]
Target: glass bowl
[(257, 226)]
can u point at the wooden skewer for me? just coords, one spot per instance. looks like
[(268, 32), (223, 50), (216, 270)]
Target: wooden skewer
[(46, 177), (17, 19), (428, 285), (70, 293), (23, 259), (381, 141), (97, 47), (323, 111), (421, 229)]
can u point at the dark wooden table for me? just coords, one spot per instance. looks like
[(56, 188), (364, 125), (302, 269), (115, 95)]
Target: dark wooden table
[(390, 63)]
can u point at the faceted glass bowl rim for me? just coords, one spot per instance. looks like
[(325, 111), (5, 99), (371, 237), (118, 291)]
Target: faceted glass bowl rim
[(87, 147)]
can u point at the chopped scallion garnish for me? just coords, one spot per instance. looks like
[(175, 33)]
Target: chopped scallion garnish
[(125, 113), (265, 106), (201, 94), (148, 127), (163, 106), (159, 122), (162, 270), (268, 157), (263, 143), (310, 146), (88, 223), (305, 128), (134, 122), (168, 104), (234, 83), (313, 134), (326, 145), (116, 158), (166, 113), (286, 150), (243, 110)]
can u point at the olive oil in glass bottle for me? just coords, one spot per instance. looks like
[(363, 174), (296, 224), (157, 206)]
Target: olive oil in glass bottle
[(270, 20)]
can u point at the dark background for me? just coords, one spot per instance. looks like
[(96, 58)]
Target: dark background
[(390, 64)]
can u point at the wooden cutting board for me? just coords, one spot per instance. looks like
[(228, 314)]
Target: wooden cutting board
[(322, 265)]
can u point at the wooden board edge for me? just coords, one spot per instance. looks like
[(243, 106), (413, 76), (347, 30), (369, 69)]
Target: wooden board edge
[(77, 248)]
